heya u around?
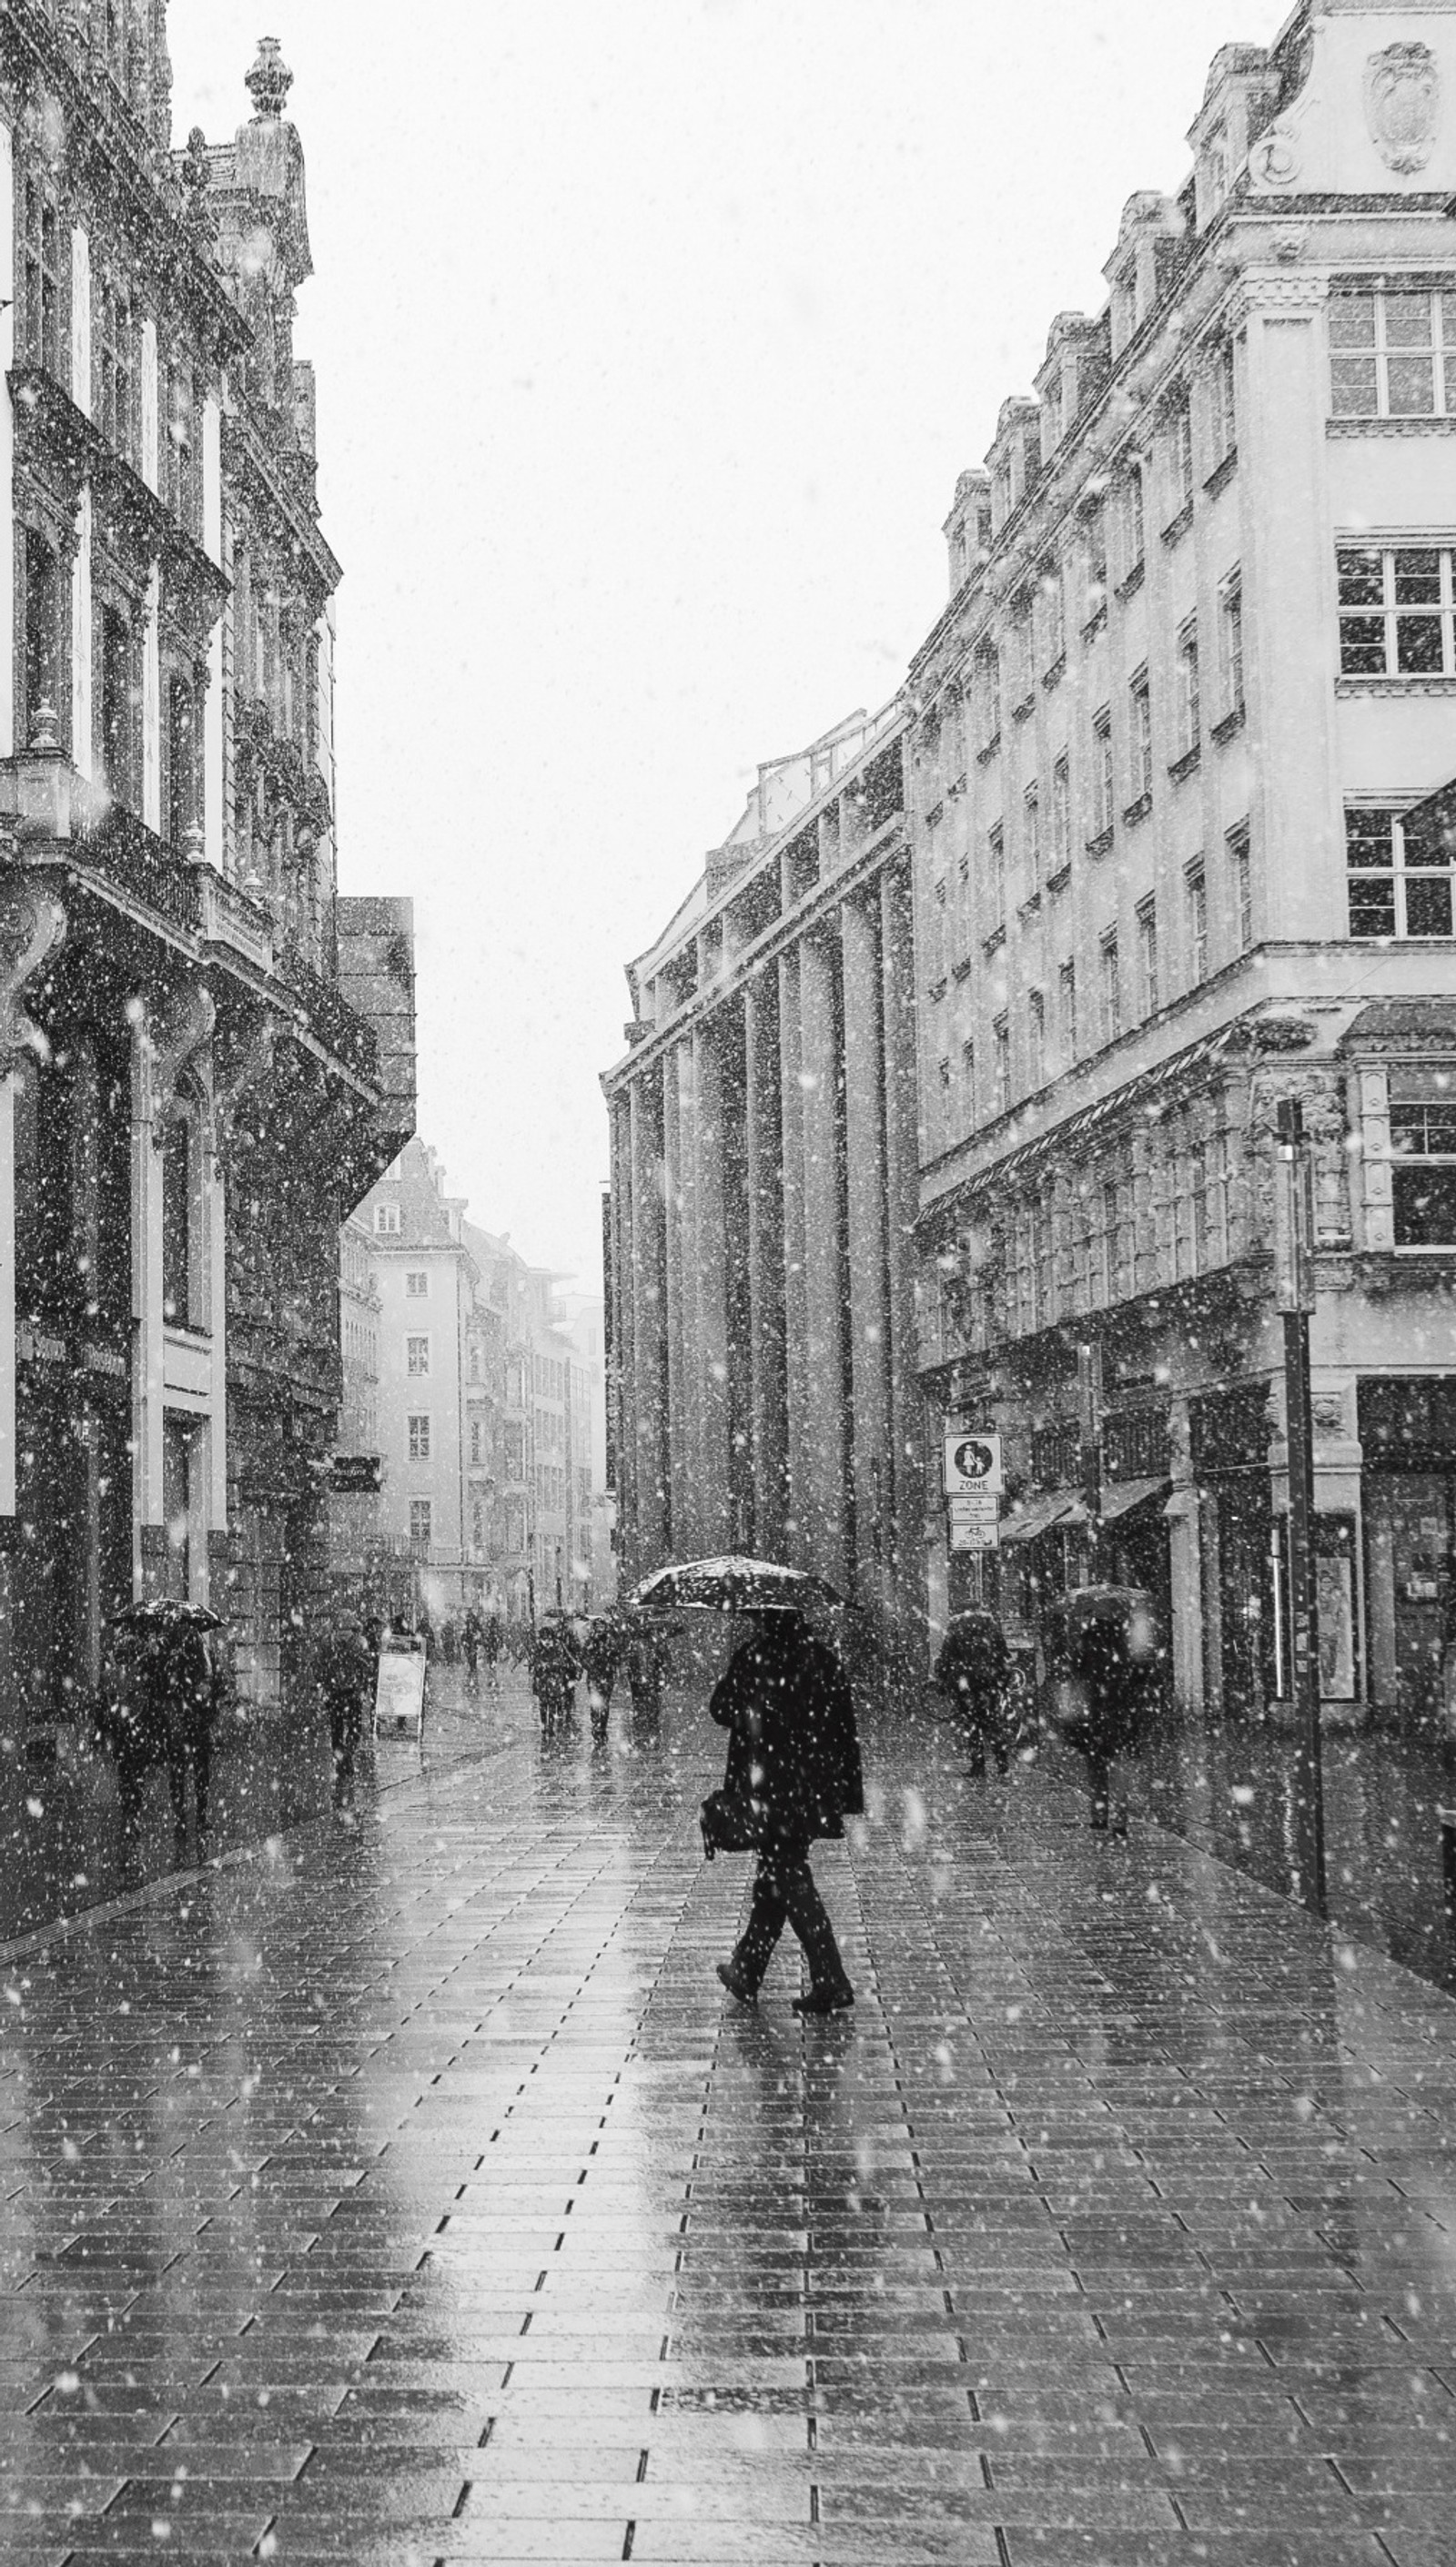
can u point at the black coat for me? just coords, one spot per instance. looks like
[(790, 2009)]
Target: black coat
[(1120, 1688), (794, 1746)]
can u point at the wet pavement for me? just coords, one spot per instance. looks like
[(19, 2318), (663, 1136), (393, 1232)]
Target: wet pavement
[(412, 2192)]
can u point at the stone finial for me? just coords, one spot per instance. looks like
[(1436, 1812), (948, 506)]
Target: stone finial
[(269, 81)]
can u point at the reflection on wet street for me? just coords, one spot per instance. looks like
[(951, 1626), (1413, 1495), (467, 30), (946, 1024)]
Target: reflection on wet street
[(415, 2193)]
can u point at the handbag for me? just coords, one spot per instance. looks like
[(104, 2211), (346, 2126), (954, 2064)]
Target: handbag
[(732, 1823)]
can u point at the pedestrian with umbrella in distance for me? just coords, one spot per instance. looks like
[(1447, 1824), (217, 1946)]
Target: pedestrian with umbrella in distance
[(1104, 1641), (793, 1763), (974, 1669), (180, 1682)]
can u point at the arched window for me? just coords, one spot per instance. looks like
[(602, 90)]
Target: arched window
[(179, 1215)]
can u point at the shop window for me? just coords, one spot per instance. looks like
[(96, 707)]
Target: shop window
[(1400, 884), (1395, 611), (1423, 1148), (1392, 353)]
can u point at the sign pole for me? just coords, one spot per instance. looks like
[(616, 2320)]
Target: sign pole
[(1295, 1293)]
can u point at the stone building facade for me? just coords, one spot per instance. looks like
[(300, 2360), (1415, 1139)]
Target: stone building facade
[(1180, 853), (189, 1100), (763, 1194)]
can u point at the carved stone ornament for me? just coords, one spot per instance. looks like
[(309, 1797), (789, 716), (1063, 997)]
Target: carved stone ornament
[(270, 80), (1403, 104), (175, 1036), (1273, 161), (32, 928), (252, 1066)]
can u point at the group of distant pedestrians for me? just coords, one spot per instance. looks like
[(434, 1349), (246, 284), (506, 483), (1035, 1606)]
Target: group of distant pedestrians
[(599, 1647), (1104, 1668)]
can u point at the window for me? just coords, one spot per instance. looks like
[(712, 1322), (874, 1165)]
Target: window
[(1186, 676), (118, 706), (1111, 989), (1021, 652), (387, 1220), (1054, 617), (44, 303), (417, 1357), (1395, 611), (1036, 1038), (1001, 1038), (478, 1442), (1060, 815), (968, 1080), (1067, 994), (1147, 955), (417, 1285), (1180, 457), (1423, 1146), (422, 1514), (1243, 889), (42, 632), (181, 762), (419, 1426), (1225, 419), (996, 848), (1392, 353), (1112, 1238), (1197, 924), (987, 700), (1399, 885), (1140, 708), (1102, 779), (1032, 806), (116, 374), (943, 1072), (1198, 1208), (176, 1221), (179, 459), (1231, 644), (1096, 597), (1134, 521)]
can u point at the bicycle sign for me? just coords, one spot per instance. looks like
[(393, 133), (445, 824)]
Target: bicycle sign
[(974, 1466)]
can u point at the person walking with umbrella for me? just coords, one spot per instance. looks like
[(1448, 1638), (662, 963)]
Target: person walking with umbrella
[(794, 1775), (974, 1669)]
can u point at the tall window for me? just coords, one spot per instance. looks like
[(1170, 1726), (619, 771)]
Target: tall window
[(1392, 353), (1399, 882), (1243, 889), (987, 700), (1396, 611), (1198, 1224), (1140, 727), (43, 302), (1111, 989), (1053, 616), (419, 1426), (421, 1516), (1231, 645), (1197, 888), (478, 1442), (1112, 1238), (1000, 1039), (310, 699), (1423, 1144), (1102, 778), (177, 1220), (1036, 1038), (1096, 597), (42, 631), (1180, 456), (181, 478), (1067, 994), (996, 848), (1062, 814), (1147, 955), (117, 372), (1134, 520), (1224, 417), (416, 1358), (1032, 806), (181, 761), (118, 706), (1186, 675), (968, 1080)]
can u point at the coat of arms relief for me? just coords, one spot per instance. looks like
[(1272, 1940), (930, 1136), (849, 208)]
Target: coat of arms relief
[(1403, 104)]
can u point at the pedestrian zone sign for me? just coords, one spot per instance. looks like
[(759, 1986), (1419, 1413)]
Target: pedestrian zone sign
[(974, 1466)]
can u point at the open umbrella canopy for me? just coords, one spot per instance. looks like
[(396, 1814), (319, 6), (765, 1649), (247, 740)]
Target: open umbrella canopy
[(156, 1613), (731, 1586), (1131, 1607)]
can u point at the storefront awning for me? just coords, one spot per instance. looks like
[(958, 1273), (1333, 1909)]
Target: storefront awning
[(1062, 1506), (1123, 1497)]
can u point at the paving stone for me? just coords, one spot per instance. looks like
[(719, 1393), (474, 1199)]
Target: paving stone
[(432, 2203)]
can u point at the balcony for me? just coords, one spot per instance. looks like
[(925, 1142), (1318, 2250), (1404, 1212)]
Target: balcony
[(332, 1020)]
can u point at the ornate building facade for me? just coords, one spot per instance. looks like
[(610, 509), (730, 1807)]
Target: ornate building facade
[(1180, 855), (764, 1196), (191, 1099)]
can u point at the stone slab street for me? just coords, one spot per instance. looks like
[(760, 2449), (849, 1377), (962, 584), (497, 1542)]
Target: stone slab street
[(412, 2192)]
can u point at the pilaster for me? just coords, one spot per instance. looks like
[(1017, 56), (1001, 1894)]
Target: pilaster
[(825, 1476), (710, 1349), (865, 1085), (82, 754), (768, 1411), (151, 703), (7, 449), (906, 1496), (647, 1294), (795, 1312)]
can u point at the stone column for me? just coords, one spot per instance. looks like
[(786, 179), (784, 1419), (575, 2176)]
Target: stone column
[(680, 1139), (83, 750), (619, 1380), (795, 1313), (826, 1423), (871, 1425), (151, 703), (769, 1407), (148, 1513), (902, 1202), (9, 549), (214, 1226), (709, 1354)]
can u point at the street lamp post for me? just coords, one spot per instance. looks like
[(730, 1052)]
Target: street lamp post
[(1294, 1250)]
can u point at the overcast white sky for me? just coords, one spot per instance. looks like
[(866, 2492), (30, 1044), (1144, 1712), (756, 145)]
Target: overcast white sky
[(651, 336)]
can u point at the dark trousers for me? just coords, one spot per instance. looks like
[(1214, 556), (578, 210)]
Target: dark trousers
[(784, 1893), (346, 1729), (184, 1750)]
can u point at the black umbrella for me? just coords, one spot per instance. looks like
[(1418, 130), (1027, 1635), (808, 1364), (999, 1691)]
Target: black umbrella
[(730, 1584), (161, 1612)]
